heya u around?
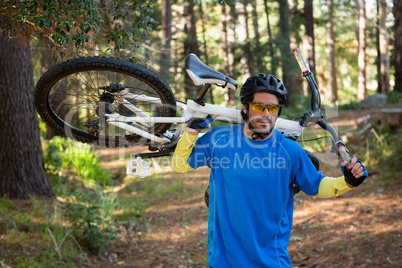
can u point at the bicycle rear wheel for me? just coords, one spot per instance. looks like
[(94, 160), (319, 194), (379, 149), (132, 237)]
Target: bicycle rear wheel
[(74, 96)]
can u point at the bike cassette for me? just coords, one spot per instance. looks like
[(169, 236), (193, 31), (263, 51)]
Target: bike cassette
[(138, 168)]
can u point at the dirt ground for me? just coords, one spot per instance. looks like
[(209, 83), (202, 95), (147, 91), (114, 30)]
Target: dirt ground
[(362, 228)]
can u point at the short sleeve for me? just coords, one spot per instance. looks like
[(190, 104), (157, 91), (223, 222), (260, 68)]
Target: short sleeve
[(304, 173), (201, 152)]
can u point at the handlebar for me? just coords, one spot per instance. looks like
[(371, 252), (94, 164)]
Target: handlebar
[(315, 115), (315, 94)]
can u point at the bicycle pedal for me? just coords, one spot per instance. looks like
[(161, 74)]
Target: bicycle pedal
[(138, 168)]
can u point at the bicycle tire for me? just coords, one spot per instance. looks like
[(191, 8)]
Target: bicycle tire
[(73, 96)]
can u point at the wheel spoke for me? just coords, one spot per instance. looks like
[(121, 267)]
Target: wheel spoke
[(80, 96)]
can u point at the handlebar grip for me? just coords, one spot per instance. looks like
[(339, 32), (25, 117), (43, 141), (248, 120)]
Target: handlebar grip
[(302, 63), (344, 153)]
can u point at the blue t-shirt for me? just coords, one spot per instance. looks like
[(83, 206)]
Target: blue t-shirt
[(251, 195)]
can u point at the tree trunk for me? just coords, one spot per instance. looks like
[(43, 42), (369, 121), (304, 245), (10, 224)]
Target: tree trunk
[(384, 47), (204, 18), (362, 87), (225, 45), (257, 51), (190, 46), (398, 44), (377, 44), (242, 36), (230, 95), (228, 57), (284, 44), (331, 48), (293, 69), (309, 44), (22, 172), (248, 51), (166, 28), (274, 61)]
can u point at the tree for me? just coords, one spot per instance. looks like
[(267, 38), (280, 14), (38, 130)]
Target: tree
[(166, 28), (274, 62), (361, 11), (309, 44), (397, 10), (256, 41), (231, 72), (61, 23), (383, 47), (331, 47), (190, 45), (204, 44), (247, 46), (242, 37), (21, 162), (284, 45)]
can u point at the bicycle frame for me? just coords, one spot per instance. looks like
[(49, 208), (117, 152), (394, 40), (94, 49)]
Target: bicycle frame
[(203, 75), (190, 110)]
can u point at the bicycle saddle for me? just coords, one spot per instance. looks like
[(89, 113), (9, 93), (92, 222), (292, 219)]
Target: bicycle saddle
[(202, 74)]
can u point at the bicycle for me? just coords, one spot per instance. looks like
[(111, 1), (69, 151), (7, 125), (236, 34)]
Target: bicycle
[(110, 102)]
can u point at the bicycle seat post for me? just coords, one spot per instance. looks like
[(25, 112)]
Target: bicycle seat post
[(199, 99)]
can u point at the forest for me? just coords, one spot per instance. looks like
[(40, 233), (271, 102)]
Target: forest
[(65, 204)]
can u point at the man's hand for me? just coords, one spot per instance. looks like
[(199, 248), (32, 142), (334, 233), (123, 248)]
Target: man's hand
[(196, 125), (355, 174)]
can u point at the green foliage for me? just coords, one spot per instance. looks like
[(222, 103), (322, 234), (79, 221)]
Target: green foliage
[(85, 218), (301, 105), (65, 155), (116, 26), (76, 174), (88, 226), (137, 21), (63, 21), (381, 150), (36, 222), (385, 150), (353, 105), (394, 97)]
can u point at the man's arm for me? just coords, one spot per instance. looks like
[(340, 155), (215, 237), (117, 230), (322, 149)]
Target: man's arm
[(353, 177), (183, 150), (186, 143)]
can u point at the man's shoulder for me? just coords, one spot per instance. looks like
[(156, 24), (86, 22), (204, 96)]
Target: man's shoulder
[(288, 143), (223, 130), (217, 133)]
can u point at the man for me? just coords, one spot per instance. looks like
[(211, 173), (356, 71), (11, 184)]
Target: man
[(253, 169)]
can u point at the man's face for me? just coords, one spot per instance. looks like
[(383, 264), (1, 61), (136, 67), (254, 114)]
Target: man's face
[(262, 122)]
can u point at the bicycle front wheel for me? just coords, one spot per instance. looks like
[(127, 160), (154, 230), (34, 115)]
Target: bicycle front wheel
[(76, 95)]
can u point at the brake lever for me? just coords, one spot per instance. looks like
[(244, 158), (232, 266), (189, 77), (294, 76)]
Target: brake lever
[(315, 115)]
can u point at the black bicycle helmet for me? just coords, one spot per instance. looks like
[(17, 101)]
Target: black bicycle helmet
[(264, 83)]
